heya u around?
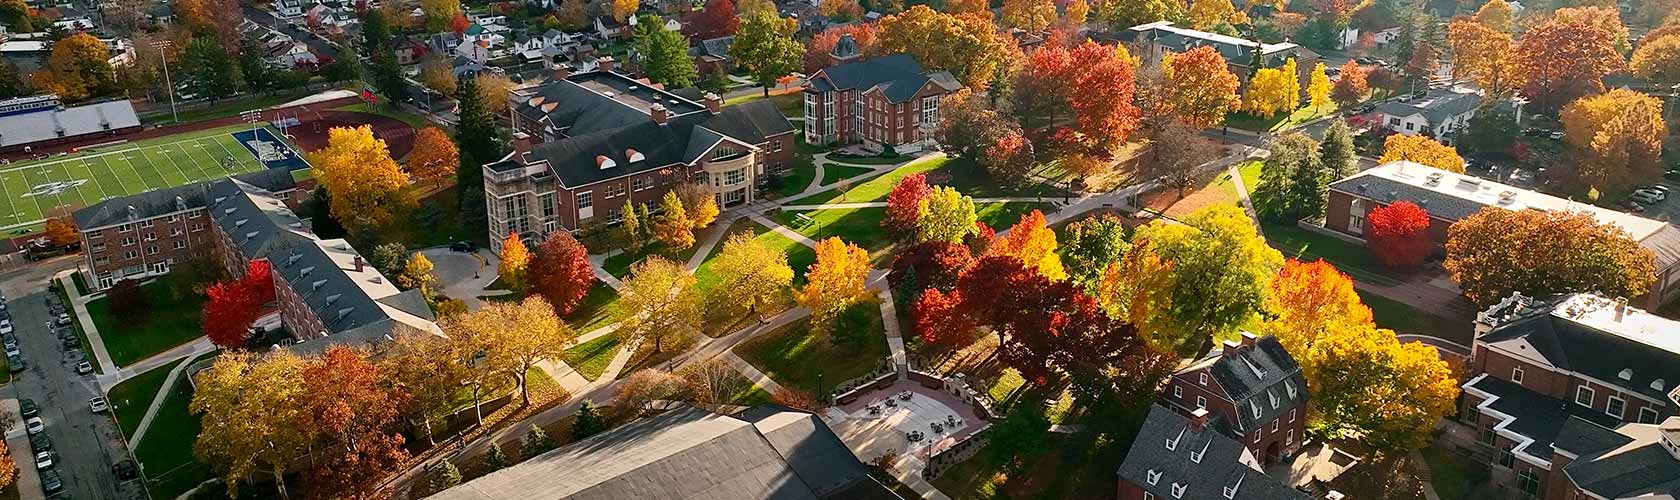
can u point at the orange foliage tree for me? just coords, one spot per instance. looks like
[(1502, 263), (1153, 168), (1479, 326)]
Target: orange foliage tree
[(1200, 87), (434, 157), (1399, 234), (560, 271), (1561, 61)]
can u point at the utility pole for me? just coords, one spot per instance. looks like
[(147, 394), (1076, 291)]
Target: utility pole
[(161, 45)]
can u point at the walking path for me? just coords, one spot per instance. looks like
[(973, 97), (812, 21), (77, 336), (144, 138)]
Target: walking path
[(878, 204), (195, 347), (157, 401), (751, 373), (1242, 195), (895, 337), (595, 262), (78, 304), (782, 230), (708, 239)]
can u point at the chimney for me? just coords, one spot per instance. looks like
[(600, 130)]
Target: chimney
[(1229, 348), (1198, 419), (605, 63), (713, 102), (521, 142), (660, 115), (359, 263), (1248, 339), (561, 71), (1621, 308)]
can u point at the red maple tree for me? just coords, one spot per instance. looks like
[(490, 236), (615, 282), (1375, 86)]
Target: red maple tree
[(716, 20), (1102, 96), (356, 414), (934, 264), (560, 272), (1399, 234), (233, 305), (904, 204), (935, 320)]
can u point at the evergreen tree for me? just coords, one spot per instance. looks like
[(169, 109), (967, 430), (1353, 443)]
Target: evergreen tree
[(1277, 198), (1336, 151), (1492, 129), (589, 422), (1308, 188), (476, 134), (320, 216), (11, 82), (445, 475), (664, 54), (388, 75), (376, 32), (258, 76), (212, 66), (537, 442), (495, 460)]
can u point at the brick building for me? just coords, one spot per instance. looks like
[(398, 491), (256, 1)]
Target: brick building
[(1153, 41), (603, 138), (1449, 197), (1574, 397), (1178, 456), (1254, 392), (880, 102)]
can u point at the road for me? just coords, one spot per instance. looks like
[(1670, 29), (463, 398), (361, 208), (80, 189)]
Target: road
[(316, 44), (87, 444)]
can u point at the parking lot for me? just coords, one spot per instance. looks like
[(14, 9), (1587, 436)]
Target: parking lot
[(85, 444)]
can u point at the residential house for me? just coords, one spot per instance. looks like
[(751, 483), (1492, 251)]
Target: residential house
[(1153, 41), (442, 43), (1254, 392), (601, 138), (711, 57), (1438, 114), (1575, 397), (609, 29), (1449, 197), (411, 50), (1177, 456), (286, 9), (766, 452), (474, 49), (882, 102)]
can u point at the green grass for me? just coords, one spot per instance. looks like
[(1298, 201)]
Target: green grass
[(854, 225), (1001, 216), (591, 358), (874, 189), (169, 321), (167, 456), (130, 398), (619, 264), (794, 356), (118, 170), (222, 110), (1452, 475), (869, 160), (598, 309), (836, 173), (797, 178), (413, 120), (799, 256), (1005, 385), (1403, 318), (792, 104), (960, 173), (1250, 171), (1306, 245), (1280, 121), (752, 395)]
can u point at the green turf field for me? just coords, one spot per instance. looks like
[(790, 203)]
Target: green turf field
[(29, 191)]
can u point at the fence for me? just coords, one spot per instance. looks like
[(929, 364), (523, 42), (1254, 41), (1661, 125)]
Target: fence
[(957, 452)]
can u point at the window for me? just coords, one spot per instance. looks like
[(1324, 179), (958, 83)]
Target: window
[(930, 110), (175, 231), (1178, 392), (1289, 439), (1178, 490), (1529, 482), (95, 234), (1393, 122), (734, 177), (1257, 435), (129, 240), (1148, 496), (98, 247), (775, 146), (1202, 378), (1516, 374), (131, 254), (586, 199), (545, 203), (152, 250), (1201, 402), (640, 183), (1506, 458), (1488, 436), (1152, 477), (1615, 407), (174, 218), (198, 227), (1584, 396), (1255, 407), (1409, 126), (1291, 416), (180, 244), (615, 190), (1275, 424), (1356, 217), (1647, 415), (151, 236), (615, 215), (146, 223), (550, 226)]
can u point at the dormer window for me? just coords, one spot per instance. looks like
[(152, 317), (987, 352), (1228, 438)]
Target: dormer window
[(602, 162), (634, 155), (1289, 387), (1625, 374), (1196, 456), (1178, 490), (1273, 397), (1231, 491), (1657, 385), (1172, 444), (1152, 477), (1256, 407), (1202, 378)]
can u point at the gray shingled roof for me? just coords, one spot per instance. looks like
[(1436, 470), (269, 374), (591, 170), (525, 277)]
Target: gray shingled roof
[(1638, 466), (688, 453), (1538, 417), (1255, 377), (1573, 346), (1437, 106), (1440, 205), (750, 122), (898, 76), (1165, 446), (162, 201)]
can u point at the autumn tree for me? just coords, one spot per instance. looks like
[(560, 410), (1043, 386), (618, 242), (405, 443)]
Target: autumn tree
[(426, 368), (524, 333), (366, 184), (1352, 86), (711, 381), (660, 302), (1133, 13), (1031, 15), (1090, 245), (621, 10), (417, 275), (1218, 271), (944, 214), (1399, 234), (699, 204), (1496, 251), (1208, 15), (840, 11), (233, 305), (493, 89), (966, 6), (717, 19), (969, 46), (560, 271), (79, 67), (1269, 92), (1421, 149), (968, 125), (835, 281), (1033, 242), (935, 264), (632, 230), (673, 224), (573, 14), (1561, 61), (1200, 87), (440, 12), (8, 467), (1077, 12), (1616, 138), (751, 274), (1390, 394), (904, 204), (1658, 60), (1102, 108), (664, 54), (1310, 302), (514, 262), (1009, 158), (1318, 90), (643, 387), (1496, 14), (822, 44), (348, 399), (1175, 152), (252, 421), (1292, 180), (765, 48), (434, 157), (1484, 54), (61, 231)]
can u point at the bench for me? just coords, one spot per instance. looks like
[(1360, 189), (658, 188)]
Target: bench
[(804, 220)]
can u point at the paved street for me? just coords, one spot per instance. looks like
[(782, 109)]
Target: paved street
[(87, 444)]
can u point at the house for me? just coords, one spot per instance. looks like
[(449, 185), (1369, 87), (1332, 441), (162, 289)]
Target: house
[(1449, 197), (473, 49), (1177, 456), (411, 50), (463, 67), (1254, 391), (1153, 41), (881, 102), (601, 139), (711, 57), (442, 43), (286, 9), (1575, 397), (609, 29), (766, 452), (1438, 114), (672, 24), (43, 120)]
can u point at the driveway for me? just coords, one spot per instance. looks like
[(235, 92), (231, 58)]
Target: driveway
[(87, 444), (461, 275)]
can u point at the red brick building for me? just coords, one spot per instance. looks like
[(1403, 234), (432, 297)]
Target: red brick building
[(1575, 398), (879, 102), (1254, 391)]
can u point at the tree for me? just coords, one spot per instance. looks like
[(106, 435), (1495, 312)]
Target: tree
[(494, 87), (1318, 91), (476, 134), (434, 157), (1391, 394), (1031, 15), (1102, 108), (840, 11), (537, 442), (717, 19), (944, 214), (1617, 138), (1336, 152), (969, 46), (232, 306), (1269, 92), (589, 422), (1399, 234), (560, 271), (1421, 149), (17, 15), (61, 231), (1562, 61), (258, 76), (712, 381), (514, 262), (215, 72), (1077, 12), (1352, 86), (969, 125), (1658, 60), (528, 332), (1607, 18), (444, 476), (1496, 251), (822, 44), (1200, 89), (209, 18), (752, 273), (1381, 77), (699, 202), (366, 184), (664, 54), (1176, 150), (573, 14), (1009, 158), (439, 13), (835, 281), (632, 227), (1091, 245), (1033, 242), (417, 274), (389, 258), (935, 318), (904, 204), (659, 302), (1208, 15), (1310, 302), (1484, 54), (1290, 179), (1219, 268), (80, 68), (640, 388), (1492, 128), (430, 372), (935, 264), (1496, 14), (357, 442), (252, 419), (496, 459), (128, 303), (621, 10), (966, 6), (765, 48), (1129, 13), (673, 224)]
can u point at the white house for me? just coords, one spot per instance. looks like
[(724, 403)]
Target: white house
[(286, 9), (477, 51), (1436, 114)]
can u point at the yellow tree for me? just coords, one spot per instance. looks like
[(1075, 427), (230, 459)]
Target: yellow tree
[(700, 204), (417, 274), (434, 158), (80, 67), (1617, 137), (1421, 149), (61, 231), (1269, 92), (436, 74), (365, 183), (525, 333), (515, 260), (8, 467), (1033, 242), (252, 422), (1137, 289), (1484, 54), (1292, 84), (1318, 90), (968, 46), (1077, 12), (1209, 14), (966, 6), (1309, 302), (944, 215), (494, 89), (751, 273), (835, 281), (1030, 15), (1390, 394), (440, 12), (1658, 60), (623, 9), (673, 225), (659, 302), (1495, 14), (1199, 86)]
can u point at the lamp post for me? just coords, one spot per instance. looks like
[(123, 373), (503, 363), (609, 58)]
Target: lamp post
[(1518, 102), (253, 117), (164, 55)]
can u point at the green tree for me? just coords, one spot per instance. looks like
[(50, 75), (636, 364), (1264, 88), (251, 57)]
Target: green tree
[(445, 475), (664, 54), (589, 422), (1289, 178), (945, 215), (496, 459), (765, 47), (388, 75), (11, 82), (1492, 129), (477, 138), (1336, 151), (631, 229), (537, 442), (1091, 244), (214, 70), (258, 76), (1218, 275)]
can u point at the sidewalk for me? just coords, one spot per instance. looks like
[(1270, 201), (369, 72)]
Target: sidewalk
[(157, 401), (79, 305)]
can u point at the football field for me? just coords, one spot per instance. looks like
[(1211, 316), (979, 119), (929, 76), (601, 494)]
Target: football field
[(30, 191)]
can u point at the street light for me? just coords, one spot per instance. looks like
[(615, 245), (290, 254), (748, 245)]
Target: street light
[(163, 54), (252, 116), (1518, 102)]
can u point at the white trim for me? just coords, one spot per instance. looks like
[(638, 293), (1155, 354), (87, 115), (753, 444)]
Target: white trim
[(1505, 420)]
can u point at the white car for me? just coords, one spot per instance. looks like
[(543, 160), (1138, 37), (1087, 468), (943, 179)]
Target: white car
[(35, 425), (1659, 195), (1644, 197), (12, 350), (63, 318), (5, 326), (43, 460), (98, 404)]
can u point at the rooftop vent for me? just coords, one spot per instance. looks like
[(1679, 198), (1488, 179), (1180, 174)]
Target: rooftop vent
[(1625, 374), (377, 279), (331, 299), (1433, 178), (1506, 196)]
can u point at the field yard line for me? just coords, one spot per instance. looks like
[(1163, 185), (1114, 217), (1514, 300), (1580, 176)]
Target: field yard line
[(77, 189), (245, 166), (231, 153), (200, 145), (40, 210), (166, 160), (132, 169), (58, 199), (93, 180), (110, 165), (9, 197), (205, 174), (171, 163)]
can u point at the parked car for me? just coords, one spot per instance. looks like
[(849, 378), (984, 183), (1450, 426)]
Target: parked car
[(1643, 198), (462, 246), (125, 470), (35, 425), (5, 326), (51, 482), (12, 350), (1654, 193), (40, 443), (1663, 188), (1556, 135), (43, 460), (16, 364), (29, 408), (84, 368), (63, 318), (98, 404), (1631, 206)]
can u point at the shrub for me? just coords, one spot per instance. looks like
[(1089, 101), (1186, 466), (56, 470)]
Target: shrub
[(127, 302)]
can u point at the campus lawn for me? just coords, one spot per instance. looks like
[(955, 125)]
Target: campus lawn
[(795, 356), (1001, 216), (619, 264), (854, 225), (1403, 319), (171, 319), (874, 189), (130, 398), (413, 120), (591, 358), (598, 309), (1073, 466), (1250, 171), (797, 178), (836, 173), (799, 256), (1452, 475), (167, 455), (1302, 244), (869, 160), (1280, 121)]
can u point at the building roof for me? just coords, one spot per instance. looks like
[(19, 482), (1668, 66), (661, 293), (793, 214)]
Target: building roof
[(1438, 106), (158, 202), (898, 76), (54, 123), (1641, 464), (1262, 377), (1236, 50), (716, 47), (688, 453), (1574, 332), (1539, 419), (1201, 463)]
